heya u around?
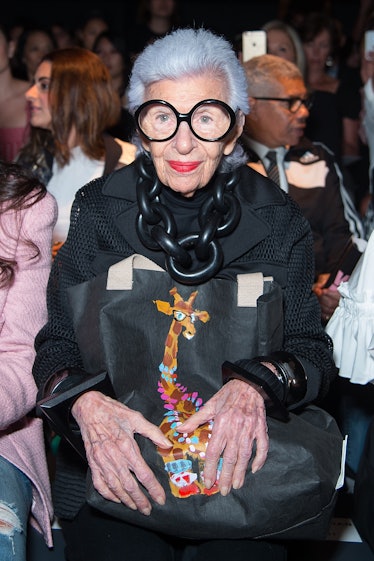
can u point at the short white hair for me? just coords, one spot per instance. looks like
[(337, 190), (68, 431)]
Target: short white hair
[(188, 52)]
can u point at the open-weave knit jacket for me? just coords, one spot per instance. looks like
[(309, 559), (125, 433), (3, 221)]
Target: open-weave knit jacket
[(272, 236)]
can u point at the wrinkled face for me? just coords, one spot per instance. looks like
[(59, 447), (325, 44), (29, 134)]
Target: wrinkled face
[(279, 44), (271, 122), (184, 163), (38, 97)]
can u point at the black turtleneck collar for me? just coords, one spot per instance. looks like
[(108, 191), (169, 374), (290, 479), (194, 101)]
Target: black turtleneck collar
[(185, 209)]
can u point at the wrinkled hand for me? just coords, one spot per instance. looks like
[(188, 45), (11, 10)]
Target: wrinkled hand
[(108, 427), (239, 416)]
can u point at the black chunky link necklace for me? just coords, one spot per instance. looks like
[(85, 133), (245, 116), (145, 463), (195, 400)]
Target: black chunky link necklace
[(157, 229)]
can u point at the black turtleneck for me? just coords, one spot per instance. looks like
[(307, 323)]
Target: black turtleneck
[(185, 209)]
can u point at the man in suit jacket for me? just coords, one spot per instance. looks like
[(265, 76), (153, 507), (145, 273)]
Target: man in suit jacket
[(307, 170)]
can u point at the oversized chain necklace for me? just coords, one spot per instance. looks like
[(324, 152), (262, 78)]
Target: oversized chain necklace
[(157, 229)]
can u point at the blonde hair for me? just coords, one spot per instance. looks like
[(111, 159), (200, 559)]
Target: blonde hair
[(294, 37)]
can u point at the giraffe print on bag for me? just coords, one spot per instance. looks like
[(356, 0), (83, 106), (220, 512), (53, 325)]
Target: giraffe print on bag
[(184, 462)]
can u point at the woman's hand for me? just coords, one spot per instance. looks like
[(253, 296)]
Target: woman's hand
[(328, 301), (239, 415), (328, 297), (108, 427)]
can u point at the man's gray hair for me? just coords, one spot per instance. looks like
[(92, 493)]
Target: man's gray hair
[(265, 74)]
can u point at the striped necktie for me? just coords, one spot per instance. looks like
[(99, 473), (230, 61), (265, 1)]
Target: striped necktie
[(272, 170)]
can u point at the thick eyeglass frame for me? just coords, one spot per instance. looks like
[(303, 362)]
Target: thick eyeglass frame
[(308, 102), (187, 117)]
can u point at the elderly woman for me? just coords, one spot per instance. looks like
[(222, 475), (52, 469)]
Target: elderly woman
[(188, 93)]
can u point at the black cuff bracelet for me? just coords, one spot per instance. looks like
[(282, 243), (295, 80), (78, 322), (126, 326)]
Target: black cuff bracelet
[(292, 373), (263, 380), (57, 406), (59, 382)]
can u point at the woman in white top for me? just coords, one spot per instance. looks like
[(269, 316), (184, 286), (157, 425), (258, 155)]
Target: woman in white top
[(74, 100)]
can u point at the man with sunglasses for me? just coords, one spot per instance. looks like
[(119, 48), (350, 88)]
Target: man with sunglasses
[(274, 138)]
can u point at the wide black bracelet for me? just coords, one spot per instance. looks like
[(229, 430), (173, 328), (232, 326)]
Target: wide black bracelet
[(56, 407), (60, 381), (263, 380), (293, 375)]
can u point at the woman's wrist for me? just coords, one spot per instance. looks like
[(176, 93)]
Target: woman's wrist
[(279, 377)]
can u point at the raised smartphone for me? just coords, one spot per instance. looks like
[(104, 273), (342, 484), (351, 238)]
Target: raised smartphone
[(253, 43)]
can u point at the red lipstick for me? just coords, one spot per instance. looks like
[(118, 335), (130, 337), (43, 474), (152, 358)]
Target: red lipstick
[(183, 167)]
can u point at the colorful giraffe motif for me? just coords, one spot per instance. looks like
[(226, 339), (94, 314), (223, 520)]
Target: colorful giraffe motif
[(184, 462)]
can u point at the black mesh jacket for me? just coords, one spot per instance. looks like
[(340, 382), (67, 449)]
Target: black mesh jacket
[(272, 237)]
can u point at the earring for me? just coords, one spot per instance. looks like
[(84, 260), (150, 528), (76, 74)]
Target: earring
[(329, 61)]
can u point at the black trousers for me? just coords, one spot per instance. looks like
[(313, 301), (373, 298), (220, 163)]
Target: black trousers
[(95, 536)]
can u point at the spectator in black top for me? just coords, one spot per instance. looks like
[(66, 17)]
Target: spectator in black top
[(154, 19), (113, 51)]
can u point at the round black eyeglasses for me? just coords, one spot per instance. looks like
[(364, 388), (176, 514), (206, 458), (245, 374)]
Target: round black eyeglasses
[(209, 120)]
